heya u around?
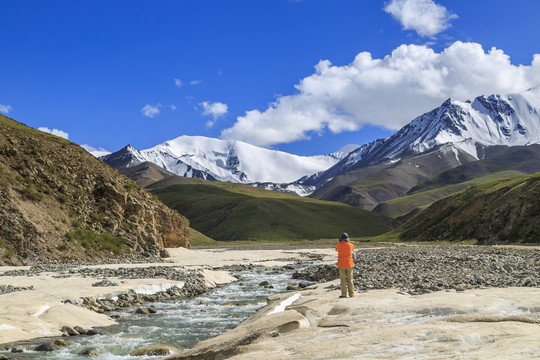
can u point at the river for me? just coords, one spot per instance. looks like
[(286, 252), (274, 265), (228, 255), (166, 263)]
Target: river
[(181, 323)]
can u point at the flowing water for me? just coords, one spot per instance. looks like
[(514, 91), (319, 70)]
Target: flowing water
[(181, 323)]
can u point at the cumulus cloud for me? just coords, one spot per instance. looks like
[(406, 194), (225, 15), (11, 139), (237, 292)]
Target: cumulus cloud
[(56, 132), (97, 152), (5, 109), (387, 92), (214, 109), (423, 16), (195, 82), (178, 82), (150, 111)]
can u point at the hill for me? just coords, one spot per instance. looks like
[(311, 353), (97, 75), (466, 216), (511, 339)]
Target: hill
[(59, 203), (499, 162), (500, 211), (230, 211), (368, 186)]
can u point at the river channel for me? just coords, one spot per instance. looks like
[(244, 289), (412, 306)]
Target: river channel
[(181, 323)]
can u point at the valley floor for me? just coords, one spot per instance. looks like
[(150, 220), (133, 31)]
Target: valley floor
[(313, 323)]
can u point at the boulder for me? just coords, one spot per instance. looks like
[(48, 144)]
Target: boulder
[(60, 342), (81, 330), (92, 351), (155, 350), (70, 331), (48, 346)]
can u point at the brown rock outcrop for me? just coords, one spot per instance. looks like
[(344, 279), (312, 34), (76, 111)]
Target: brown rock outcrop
[(59, 203)]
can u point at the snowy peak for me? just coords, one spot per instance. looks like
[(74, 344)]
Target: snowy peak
[(122, 159), (224, 160), (509, 120), (488, 120)]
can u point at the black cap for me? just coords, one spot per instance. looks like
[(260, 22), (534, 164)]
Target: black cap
[(344, 237)]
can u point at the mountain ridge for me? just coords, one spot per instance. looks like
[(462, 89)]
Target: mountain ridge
[(487, 121), (225, 160)]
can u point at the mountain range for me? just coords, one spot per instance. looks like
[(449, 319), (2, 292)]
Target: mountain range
[(227, 160), (367, 176), (466, 127)]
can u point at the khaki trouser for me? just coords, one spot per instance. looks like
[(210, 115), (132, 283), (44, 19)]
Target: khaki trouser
[(346, 278)]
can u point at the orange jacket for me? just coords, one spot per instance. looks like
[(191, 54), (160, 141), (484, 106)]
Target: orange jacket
[(345, 249)]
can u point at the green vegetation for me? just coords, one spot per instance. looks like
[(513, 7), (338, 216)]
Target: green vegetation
[(29, 193), (130, 186), (5, 121), (76, 223), (94, 243), (2, 243), (63, 198), (8, 253), (506, 210), (421, 199), (98, 217), (197, 238), (228, 211)]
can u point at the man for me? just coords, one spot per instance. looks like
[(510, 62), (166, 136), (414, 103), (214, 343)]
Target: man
[(345, 264)]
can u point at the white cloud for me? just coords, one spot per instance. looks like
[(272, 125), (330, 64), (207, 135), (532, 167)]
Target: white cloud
[(423, 16), (215, 109), (195, 82), (56, 132), (178, 82), (387, 92), (96, 152), (173, 107), (5, 109), (150, 111)]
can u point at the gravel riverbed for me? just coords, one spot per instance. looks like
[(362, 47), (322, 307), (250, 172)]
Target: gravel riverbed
[(419, 270)]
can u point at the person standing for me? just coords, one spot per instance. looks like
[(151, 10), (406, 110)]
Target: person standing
[(345, 264)]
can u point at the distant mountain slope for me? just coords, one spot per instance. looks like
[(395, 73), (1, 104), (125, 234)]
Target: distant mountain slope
[(146, 173), (511, 120), (500, 162), (59, 203), (225, 160), (368, 186), (465, 131), (227, 211), (500, 211)]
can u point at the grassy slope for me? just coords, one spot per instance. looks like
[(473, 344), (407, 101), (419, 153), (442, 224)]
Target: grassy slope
[(506, 210), (227, 211), (419, 200), (502, 162)]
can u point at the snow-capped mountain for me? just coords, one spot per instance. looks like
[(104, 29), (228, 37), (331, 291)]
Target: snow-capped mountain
[(469, 126), (225, 160)]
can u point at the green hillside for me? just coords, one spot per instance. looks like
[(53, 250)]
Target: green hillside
[(227, 211), (501, 211), (403, 205)]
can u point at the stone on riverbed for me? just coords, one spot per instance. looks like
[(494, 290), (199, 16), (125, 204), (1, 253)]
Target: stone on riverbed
[(49, 346), (93, 351), (70, 331), (155, 350)]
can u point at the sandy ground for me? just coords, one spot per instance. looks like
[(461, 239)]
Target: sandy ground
[(476, 324), (384, 324), (311, 324)]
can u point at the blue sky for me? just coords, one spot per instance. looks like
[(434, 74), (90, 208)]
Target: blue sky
[(306, 77)]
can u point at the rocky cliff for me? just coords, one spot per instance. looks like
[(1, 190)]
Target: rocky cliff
[(59, 203)]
